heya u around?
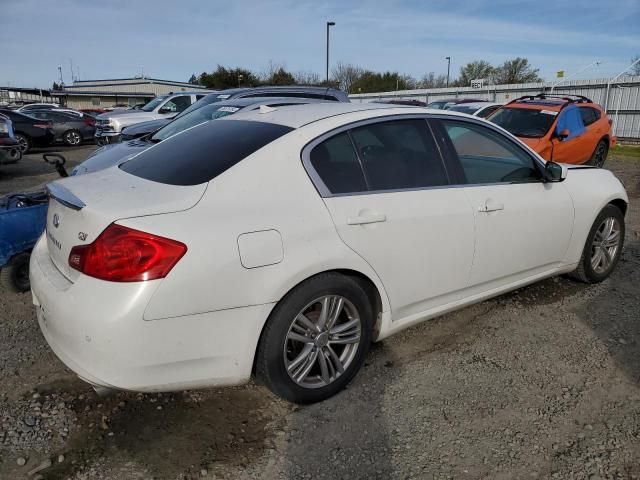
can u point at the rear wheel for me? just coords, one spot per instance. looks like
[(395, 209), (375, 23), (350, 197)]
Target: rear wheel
[(599, 154), (15, 275), (24, 142), (72, 137), (316, 339), (603, 247)]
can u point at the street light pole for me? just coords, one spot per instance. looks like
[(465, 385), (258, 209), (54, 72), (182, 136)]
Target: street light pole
[(329, 24), (448, 68)]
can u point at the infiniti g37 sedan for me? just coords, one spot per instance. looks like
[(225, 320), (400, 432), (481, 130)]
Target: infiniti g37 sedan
[(282, 243)]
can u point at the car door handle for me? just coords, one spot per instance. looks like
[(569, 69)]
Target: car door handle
[(491, 207), (365, 219)]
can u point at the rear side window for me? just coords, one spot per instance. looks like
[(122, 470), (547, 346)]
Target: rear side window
[(337, 165), (202, 153), (399, 154), (589, 115)]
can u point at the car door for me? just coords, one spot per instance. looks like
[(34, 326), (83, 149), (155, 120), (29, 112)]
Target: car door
[(522, 224), (576, 148), (595, 130), (387, 190)]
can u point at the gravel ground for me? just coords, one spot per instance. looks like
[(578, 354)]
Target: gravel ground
[(539, 383)]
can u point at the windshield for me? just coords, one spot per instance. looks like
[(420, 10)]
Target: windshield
[(201, 115), (524, 122), (464, 109), (437, 105), (206, 100), (151, 106)]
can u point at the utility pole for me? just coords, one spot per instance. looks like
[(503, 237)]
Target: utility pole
[(448, 68), (329, 24), (60, 72), (71, 68)]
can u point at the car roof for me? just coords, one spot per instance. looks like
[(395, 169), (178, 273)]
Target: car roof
[(245, 102), (474, 104), (300, 115)]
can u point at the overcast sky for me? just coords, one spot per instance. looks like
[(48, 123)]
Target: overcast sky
[(173, 39)]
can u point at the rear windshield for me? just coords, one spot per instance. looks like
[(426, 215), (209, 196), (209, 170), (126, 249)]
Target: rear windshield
[(523, 122), (202, 153), (463, 109)]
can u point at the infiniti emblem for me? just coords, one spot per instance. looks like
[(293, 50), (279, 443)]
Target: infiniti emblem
[(56, 220)]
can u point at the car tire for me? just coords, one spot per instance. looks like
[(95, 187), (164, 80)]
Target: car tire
[(24, 143), (72, 138), (603, 247), (599, 155), (299, 336), (15, 275), (14, 155)]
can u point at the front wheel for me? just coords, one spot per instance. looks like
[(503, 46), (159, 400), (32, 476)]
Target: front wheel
[(599, 154), (316, 339), (603, 247)]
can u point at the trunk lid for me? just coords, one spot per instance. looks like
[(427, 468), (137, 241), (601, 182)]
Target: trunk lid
[(80, 208)]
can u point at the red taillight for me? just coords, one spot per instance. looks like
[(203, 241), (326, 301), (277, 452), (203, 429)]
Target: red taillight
[(121, 254), (43, 125)]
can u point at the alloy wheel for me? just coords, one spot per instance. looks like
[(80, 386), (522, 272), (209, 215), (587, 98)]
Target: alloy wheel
[(600, 155), (605, 245), (322, 341), (73, 138), (23, 143)]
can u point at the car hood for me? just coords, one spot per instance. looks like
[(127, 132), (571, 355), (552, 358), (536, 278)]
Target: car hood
[(110, 155), (121, 113), (146, 127)]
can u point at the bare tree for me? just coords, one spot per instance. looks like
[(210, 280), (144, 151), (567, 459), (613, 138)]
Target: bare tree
[(307, 78), (475, 70), (346, 74), (431, 80)]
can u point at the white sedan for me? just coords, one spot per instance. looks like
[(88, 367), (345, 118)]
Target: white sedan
[(280, 243)]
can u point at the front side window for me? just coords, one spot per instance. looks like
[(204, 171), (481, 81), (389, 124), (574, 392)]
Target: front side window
[(488, 111), (487, 157), (177, 104), (399, 154)]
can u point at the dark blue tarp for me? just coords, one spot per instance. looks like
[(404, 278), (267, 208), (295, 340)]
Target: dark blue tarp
[(571, 120)]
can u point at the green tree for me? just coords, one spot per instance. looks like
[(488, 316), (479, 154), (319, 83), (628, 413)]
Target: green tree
[(473, 71), (56, 86), (381, 82), (517, 70), (223, 77), (281, 77), (431, 80), (193, 79)]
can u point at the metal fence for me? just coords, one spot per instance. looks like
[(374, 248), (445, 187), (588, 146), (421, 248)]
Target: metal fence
[(622, 98)]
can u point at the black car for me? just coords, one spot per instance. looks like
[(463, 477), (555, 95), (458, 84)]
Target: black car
[(68, 127), (29, 131), (294, 91), (9, 152)]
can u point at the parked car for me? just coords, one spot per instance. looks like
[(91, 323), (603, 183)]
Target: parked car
[(313, 93), (92, 111), (113, 154), (25, 109), (283, 241), (29, 131), (68, 127), (110, 124), (409, 103), (9, 146), (449, 102), (562, 128), (478, 109)]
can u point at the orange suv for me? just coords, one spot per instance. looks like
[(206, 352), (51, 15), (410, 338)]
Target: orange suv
[(561, 128)]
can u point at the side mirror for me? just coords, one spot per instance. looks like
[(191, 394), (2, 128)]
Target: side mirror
[(554, 172), (563, 134)]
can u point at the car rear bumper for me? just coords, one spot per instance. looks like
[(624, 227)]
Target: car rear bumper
[(97, 329)]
